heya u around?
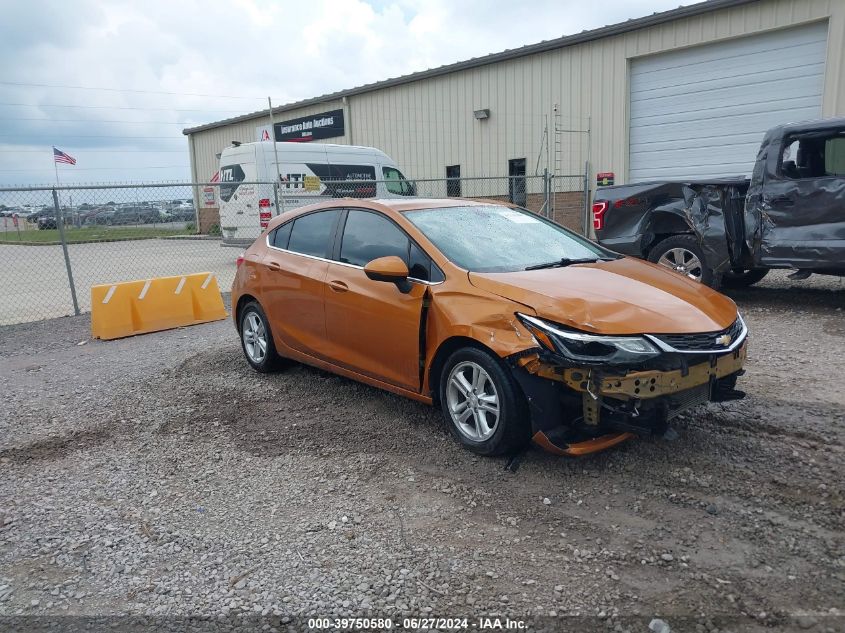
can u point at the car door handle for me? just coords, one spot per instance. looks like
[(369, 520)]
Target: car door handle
[(275, 266), (338, 286)]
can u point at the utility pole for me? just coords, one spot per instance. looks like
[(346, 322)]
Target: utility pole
[(275, 155)]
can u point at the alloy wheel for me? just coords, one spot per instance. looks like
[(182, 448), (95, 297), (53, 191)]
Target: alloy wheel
[(472, 401), (255, 337), (682, 261)]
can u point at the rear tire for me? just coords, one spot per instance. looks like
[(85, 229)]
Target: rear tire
[(682, 254), (483, 406), (257, 339), (744, 278)]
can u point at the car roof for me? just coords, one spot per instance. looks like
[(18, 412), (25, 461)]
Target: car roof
[(413, 204), (397, 205)]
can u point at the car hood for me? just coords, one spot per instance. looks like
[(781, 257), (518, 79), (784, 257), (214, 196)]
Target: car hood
[(623, 296)]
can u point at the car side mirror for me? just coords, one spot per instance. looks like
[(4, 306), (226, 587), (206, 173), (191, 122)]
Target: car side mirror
[(390, 268)]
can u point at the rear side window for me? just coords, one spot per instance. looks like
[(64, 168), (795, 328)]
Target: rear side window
[(815, 156), (311, 233), (368, 236), (834, 156), (281, 236)]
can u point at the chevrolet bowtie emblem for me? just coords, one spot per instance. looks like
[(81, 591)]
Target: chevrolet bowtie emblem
[(725, 339)]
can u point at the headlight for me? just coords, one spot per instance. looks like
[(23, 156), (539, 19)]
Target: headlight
[(590, 348)]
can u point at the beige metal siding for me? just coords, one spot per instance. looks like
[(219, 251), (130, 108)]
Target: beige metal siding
[(428, 124)]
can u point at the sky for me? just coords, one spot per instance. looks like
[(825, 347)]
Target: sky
[(114, 83)]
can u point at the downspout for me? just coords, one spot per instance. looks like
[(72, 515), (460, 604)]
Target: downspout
[(347, 106)]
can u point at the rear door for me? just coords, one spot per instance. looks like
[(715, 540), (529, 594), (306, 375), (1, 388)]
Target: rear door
[(803, 220), (294, 280)]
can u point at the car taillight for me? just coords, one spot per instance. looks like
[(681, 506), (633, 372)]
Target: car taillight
[(264, 212), (239, 260), (599, 209)]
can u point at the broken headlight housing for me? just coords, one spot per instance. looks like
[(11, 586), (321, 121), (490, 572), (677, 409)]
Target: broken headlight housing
[(589, 348)]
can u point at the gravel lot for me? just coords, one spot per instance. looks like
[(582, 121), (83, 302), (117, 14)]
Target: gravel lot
[(159, 476)]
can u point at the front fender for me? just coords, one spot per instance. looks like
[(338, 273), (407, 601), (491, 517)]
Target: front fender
[(489, 321)]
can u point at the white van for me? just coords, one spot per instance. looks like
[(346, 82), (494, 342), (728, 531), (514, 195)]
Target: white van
[(308, 173)]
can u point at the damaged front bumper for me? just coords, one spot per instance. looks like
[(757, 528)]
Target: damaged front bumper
[(580, 410)]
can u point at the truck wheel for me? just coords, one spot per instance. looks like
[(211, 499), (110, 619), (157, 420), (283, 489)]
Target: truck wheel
[(484, 407), (743, 278), (682, 254)]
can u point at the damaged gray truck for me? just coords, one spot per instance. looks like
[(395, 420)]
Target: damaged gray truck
[(732, 231)]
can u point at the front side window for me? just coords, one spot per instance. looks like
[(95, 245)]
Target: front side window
[(310, 233), (368, 236), (492, 238), (421, 267), (395, 182)]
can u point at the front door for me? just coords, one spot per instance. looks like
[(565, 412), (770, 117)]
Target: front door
[(372, 326), (803, 209)]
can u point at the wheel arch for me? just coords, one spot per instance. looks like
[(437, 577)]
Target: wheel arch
[(446, 348), (663, 224), (242, 301)]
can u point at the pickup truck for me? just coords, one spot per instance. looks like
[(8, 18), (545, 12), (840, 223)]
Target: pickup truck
[(732, 231)]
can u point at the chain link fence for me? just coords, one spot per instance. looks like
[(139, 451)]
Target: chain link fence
[(58, 242)]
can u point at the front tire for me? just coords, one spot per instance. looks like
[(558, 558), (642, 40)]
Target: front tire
[(257, 339), (682, 254), (482, 404), (743, 278)]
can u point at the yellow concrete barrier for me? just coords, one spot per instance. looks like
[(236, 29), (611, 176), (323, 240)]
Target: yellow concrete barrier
[(150, 305)]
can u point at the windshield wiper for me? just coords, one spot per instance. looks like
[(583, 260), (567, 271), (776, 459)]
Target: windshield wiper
[(565, 261)]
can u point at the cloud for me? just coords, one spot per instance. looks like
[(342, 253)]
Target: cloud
[(241, 49)]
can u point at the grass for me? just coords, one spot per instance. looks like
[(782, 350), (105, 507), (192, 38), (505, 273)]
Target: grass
[(90, 234)]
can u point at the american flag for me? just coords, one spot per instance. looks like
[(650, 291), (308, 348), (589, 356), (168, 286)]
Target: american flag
[(60, 157)]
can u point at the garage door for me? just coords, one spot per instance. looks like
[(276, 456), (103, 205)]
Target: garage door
[(701, 112)]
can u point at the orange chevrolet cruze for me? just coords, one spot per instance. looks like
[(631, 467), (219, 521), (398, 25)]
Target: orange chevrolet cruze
[(515, 327)]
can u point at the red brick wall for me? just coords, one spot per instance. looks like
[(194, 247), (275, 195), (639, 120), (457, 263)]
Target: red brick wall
[(568, 207), (208, 217)]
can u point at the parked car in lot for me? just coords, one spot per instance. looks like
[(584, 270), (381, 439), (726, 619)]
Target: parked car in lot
[(790, 214), (47, 222), (515, 327), (135, 215)]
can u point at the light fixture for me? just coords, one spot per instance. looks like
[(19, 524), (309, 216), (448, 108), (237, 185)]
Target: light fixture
[(482, 114)]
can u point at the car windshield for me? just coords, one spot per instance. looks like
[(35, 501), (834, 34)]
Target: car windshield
[(494, 238)]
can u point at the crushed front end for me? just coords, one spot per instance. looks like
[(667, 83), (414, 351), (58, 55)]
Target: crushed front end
[(587, 391)]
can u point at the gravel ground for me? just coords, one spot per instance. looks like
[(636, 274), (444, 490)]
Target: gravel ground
[(159, 476)]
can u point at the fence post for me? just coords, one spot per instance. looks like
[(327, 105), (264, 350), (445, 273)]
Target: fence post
[(546, 188), (60, 221), (586, 210)]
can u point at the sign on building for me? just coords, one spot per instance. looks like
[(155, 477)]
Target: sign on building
[(311, 128)]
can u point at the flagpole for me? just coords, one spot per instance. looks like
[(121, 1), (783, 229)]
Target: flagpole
[(56, 167)]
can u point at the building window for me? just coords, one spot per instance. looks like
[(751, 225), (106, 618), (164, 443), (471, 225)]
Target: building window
[(453, 181)]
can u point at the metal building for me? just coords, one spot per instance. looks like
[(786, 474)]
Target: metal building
[(682, 93)]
